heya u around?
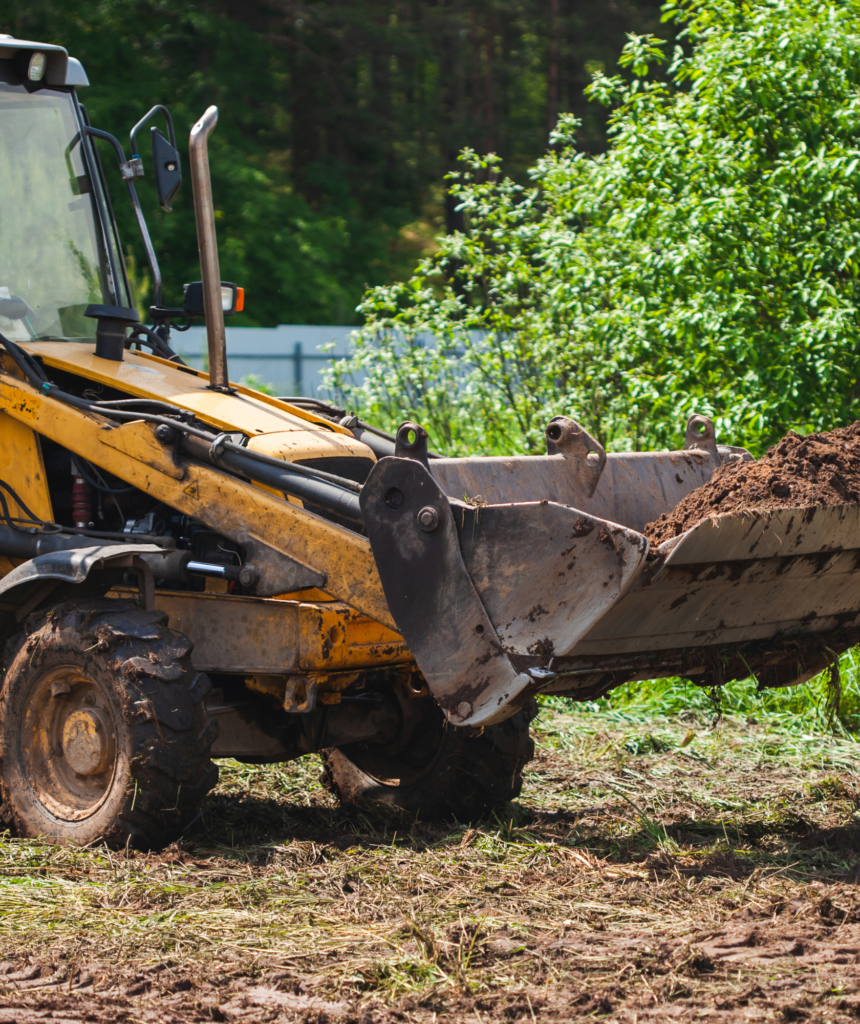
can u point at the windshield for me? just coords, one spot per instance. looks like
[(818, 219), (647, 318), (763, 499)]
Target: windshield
[(51, 257)]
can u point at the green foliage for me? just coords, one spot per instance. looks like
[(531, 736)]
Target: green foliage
[(256, 382), (708, 261), (797, 709)]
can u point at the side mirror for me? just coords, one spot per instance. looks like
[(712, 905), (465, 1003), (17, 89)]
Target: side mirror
[(165, 157), (232, 298), (168, 175)]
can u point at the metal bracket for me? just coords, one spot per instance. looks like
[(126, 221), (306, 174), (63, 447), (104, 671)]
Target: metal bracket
[(215, 449), (566, 437), (701, 435), (300, 696), (132, 169), (145, 582), (432, 597), (411, 443)]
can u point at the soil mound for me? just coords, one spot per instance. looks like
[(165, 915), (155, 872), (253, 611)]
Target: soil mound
[(815, 469)]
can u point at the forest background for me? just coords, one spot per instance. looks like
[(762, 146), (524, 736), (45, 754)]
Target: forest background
[(337, 124)]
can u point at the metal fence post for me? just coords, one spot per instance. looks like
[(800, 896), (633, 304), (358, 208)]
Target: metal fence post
[(298, 354)]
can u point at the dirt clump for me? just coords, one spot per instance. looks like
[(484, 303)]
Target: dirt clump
[(815, 469)]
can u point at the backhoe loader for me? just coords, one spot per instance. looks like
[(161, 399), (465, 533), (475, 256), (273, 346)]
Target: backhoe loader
[(193, 570)]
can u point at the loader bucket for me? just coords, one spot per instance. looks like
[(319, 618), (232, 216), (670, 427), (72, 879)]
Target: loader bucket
[(544, 583)]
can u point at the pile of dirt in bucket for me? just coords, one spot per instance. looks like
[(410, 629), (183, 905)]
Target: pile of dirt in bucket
[(815, 469)]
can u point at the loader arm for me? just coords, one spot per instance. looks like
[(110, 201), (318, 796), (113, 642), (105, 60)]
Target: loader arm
[(291, 549)]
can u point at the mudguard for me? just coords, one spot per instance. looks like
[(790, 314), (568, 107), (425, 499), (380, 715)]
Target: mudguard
[(30, 583)]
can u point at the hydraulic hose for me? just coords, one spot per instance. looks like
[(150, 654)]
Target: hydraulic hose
[(20, 544), (152, 339), (279, 476), (335, 494)]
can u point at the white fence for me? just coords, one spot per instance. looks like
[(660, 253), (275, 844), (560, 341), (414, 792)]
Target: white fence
[(287, 358)]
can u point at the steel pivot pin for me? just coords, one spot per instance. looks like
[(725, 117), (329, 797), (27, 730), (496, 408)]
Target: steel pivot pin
[(428, 518)]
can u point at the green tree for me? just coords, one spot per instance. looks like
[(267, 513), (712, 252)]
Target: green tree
[(707, 261)]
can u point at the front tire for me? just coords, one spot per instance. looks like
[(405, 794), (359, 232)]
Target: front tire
[(439, 772), (103, 730)]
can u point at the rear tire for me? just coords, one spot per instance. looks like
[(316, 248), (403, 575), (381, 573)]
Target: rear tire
[(441, 772), (103, 729)]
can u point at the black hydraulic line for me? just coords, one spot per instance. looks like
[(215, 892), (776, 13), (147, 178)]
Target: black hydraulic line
[(294, 468), (34, 366), (336, 494), (29, 545), (324, 409), (122, 414), (278, 477), (13, 494), (84, 468), (122, 403), (27, 526), (380, 446), (350, 421), (18, 356), (155, 342), (163, 540), (17, 524), (224, 447)]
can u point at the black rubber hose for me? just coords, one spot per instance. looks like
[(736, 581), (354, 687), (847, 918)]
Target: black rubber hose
[(155, 342), (17, 355), (317, 492), (337, 494), (33, 518), (28, 545), (121, 403), (84, 469)]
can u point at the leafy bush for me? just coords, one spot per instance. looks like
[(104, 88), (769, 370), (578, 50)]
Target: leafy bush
[(708, 261)]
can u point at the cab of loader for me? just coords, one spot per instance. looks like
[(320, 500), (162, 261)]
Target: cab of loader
[(59, 248)]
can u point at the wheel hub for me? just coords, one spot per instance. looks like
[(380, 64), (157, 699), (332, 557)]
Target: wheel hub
[(87, 745), (71, 751)]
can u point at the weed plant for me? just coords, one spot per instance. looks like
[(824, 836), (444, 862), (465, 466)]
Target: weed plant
[(805, 709)]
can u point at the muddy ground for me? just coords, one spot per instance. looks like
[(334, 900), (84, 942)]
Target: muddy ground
[(652, 871), (813, 469)]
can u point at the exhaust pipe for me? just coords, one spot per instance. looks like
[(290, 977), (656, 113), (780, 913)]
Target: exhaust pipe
[(207, 244)]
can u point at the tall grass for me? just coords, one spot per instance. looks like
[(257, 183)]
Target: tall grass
[(802, 709)]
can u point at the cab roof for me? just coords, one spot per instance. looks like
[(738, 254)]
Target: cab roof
[(61, 68)]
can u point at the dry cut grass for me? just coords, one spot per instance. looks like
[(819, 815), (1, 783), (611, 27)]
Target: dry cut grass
[(653, 869)]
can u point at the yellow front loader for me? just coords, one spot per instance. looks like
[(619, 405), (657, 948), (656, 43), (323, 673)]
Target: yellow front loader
[(192, 570)]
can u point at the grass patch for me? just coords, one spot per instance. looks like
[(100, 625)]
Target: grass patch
[(653, 864)]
